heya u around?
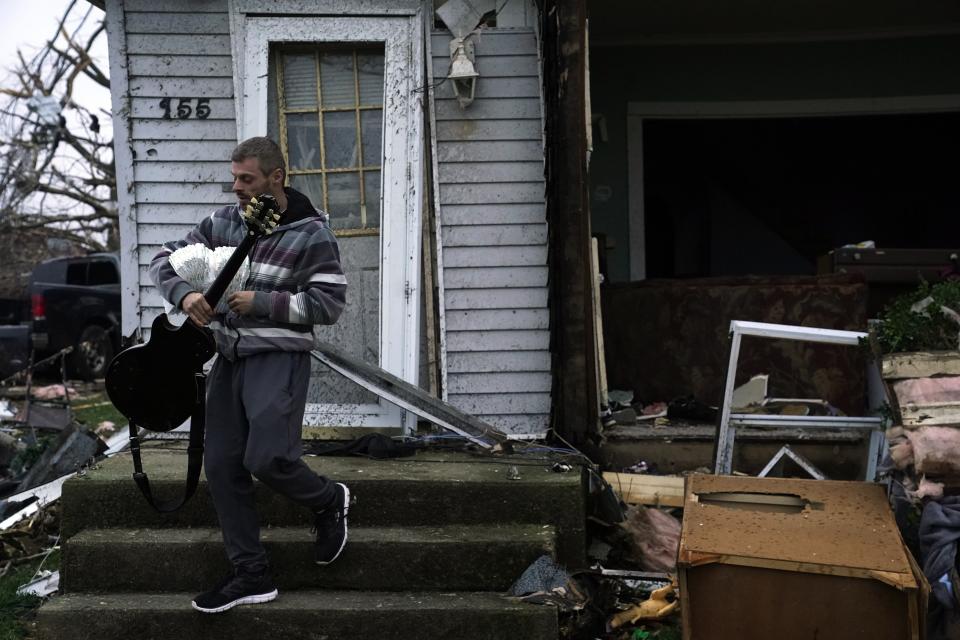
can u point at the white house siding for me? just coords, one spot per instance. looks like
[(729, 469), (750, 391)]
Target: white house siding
[(178, 168), (172, 172), (494, 234)]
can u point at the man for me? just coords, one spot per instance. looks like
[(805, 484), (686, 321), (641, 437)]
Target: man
[(258, 384)]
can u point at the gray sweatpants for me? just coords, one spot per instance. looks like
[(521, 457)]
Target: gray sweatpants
[(254, 414)]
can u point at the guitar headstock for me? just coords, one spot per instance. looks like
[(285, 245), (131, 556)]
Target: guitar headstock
[(262, 215)]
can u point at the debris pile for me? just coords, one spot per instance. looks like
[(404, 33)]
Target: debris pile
[(42, 444), (30, 538), (918, 342), (661, 603), (40, 439), (635, 535), (546, 582), (925, 437), (624, 410), (651, 539)]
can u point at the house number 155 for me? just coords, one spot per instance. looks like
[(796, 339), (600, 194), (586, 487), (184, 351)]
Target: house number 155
[(184, 110)]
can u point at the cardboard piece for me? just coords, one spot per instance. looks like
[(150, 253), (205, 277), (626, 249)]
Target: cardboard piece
[(781, 558)]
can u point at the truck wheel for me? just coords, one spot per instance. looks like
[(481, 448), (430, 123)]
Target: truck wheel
[(92, 353)]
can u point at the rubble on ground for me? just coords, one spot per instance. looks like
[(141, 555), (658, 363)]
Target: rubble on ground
[(42, 445)]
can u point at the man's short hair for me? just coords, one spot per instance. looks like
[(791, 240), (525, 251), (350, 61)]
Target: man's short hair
[(265, 150)]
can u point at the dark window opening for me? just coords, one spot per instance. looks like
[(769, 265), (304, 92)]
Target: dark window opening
[(77, 274), (102, 273), (769, 196)]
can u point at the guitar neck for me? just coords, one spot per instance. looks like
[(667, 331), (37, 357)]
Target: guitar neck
[(215, 292)]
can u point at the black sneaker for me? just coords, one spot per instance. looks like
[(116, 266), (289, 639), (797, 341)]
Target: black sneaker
[(235, 589), (331, 527)]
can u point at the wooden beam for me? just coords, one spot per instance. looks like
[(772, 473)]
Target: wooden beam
[(918, 364), (634, 488), (600, 355), (575, 411)]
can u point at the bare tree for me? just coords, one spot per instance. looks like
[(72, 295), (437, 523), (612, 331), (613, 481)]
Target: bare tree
[(56, 168)]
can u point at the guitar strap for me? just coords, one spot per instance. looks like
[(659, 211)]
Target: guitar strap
[(194, 455), (260, 218)]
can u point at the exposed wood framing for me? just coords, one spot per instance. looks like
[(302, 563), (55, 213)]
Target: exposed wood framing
[(575, 414), (430, 274), (432, 212)]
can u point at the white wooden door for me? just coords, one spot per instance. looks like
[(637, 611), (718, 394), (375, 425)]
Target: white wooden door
[(342, 95)]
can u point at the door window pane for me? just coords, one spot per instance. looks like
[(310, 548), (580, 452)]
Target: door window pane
[(371, 127), (310, 185), (344, 199), (370, 78), (303, 141), (340, 139), (371, 188), (300, 81), (335, 163), (336, 80)]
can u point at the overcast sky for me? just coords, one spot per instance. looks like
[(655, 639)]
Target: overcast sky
[(28, 24)]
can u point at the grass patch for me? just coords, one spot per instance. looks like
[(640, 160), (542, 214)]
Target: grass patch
[(669, 633), (17, 610), (93, 409)]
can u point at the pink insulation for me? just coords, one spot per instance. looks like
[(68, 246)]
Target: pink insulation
[(936, 450), (926, 391)]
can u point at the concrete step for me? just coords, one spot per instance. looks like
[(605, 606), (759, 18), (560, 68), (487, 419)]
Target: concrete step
[(453, 557), (297, 614), (428, 489)]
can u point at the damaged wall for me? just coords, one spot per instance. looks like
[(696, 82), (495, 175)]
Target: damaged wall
[(172, 171), (494, 234), (173, 158), (669, 338), (873, 68)]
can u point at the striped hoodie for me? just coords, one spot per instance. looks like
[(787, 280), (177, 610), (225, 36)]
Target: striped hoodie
[(295, 273)]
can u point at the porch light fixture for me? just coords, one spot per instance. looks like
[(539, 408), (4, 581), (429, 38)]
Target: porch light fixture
[(462, 72)]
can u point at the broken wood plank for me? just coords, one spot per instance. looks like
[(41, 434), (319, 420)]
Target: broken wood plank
[(687, 432), (921, 364), (939, 413), (634, 488), (599, 354)]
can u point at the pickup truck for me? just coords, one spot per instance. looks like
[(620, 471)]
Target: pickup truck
[(76, 302), (14, 348), (14, 335)]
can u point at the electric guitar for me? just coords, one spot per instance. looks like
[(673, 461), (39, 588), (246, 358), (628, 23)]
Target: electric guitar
[(154, 384)]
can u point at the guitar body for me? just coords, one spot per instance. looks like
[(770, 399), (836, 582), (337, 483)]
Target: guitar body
[(154, 384)]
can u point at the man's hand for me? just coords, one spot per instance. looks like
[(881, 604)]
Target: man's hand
[(195, 306), (241, 302)]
